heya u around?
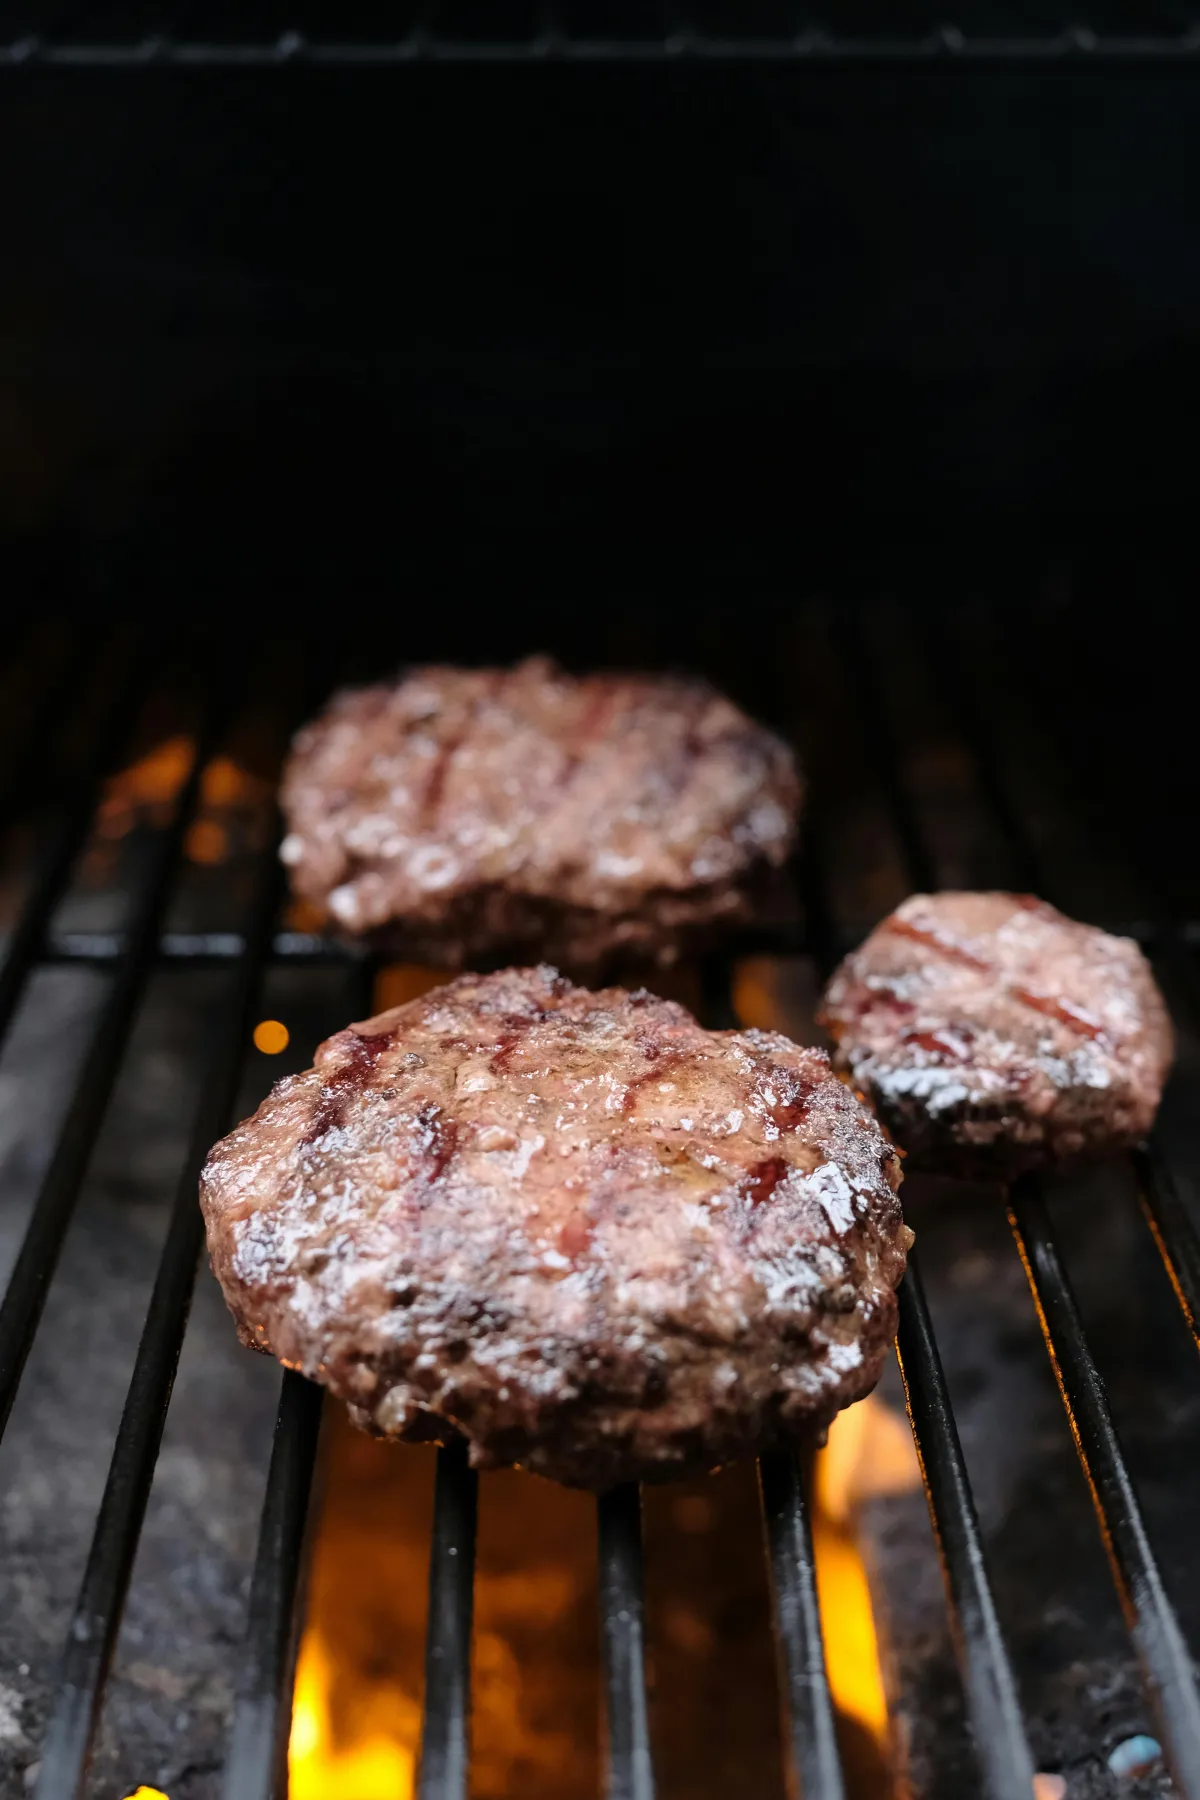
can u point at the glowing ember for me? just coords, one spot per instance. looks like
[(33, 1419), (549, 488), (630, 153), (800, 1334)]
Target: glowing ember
[(271, 1037), (144, 793), (146, 788)]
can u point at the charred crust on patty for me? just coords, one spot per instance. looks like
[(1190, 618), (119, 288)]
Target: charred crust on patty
[(572, 1227)]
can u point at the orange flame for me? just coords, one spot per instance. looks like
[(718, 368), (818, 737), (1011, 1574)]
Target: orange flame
[(147, 788), (870, 1452), (377, 1765)]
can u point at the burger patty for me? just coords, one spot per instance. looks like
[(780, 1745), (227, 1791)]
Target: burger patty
[(992, 1035), (462, 815), (574, 1228)]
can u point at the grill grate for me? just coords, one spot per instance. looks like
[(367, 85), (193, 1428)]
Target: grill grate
[(116, 36), (255, 1769)]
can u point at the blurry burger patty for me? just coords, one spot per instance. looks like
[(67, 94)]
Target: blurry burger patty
[(468, 815), (573, 1227)]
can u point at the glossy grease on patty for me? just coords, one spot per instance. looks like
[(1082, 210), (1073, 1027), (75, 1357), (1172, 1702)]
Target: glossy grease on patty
[(574, 1227)]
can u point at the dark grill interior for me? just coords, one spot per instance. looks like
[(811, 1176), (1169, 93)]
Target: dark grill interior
[(920, 728)]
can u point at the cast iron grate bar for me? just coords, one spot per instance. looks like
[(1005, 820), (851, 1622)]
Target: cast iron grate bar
[(622, 1612), (446, 1725), (37, 1259), (1152, 1622), (256, 1764), (1151, 1619), (68, 1740), (945, 45), (256, 1767), (810, 1725), (955, 677), (199, 949), (1168, 1219), (991, 1690), (987, 1675), (809, 1722), (857, 655), (27, 943), (1172, 1230)]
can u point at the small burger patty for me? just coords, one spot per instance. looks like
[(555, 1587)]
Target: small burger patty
[(992, 1035), (574, 1228), (468, 815)]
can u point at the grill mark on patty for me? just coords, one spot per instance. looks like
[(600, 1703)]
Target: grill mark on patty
[(511, 1039), (436, 786), (1047, 1004), (794, 1091), (575, 1235), (661, 1061), (1061, 1010), (351, 1074), (955, 1044), (761, 1180), (597, 715), (944, 946), (435, 1140)]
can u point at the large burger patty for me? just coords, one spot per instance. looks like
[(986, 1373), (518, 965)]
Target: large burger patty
[(573, 1227), (499, 813), (993, 1035)]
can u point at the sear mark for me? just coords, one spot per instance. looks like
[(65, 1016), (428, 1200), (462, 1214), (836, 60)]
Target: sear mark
[(762, 1178), (350, 1076), (933, 940)]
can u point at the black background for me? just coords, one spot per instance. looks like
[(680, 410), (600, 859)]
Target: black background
[(562, 337)]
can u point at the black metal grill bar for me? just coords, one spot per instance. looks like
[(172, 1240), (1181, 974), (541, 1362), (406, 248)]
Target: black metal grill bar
[(199, 949), (26, 945), (918, 860), (255, 1768), (987, 1673), (36, 1261), (256, 1765), (809, 1725), (68, 1740), (991, 1691), (446, 1724), (1168, 1219), (947, 46), (206, 949), (1173, 1232), (1152, 1623), (955, 680), (623, 1631)]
